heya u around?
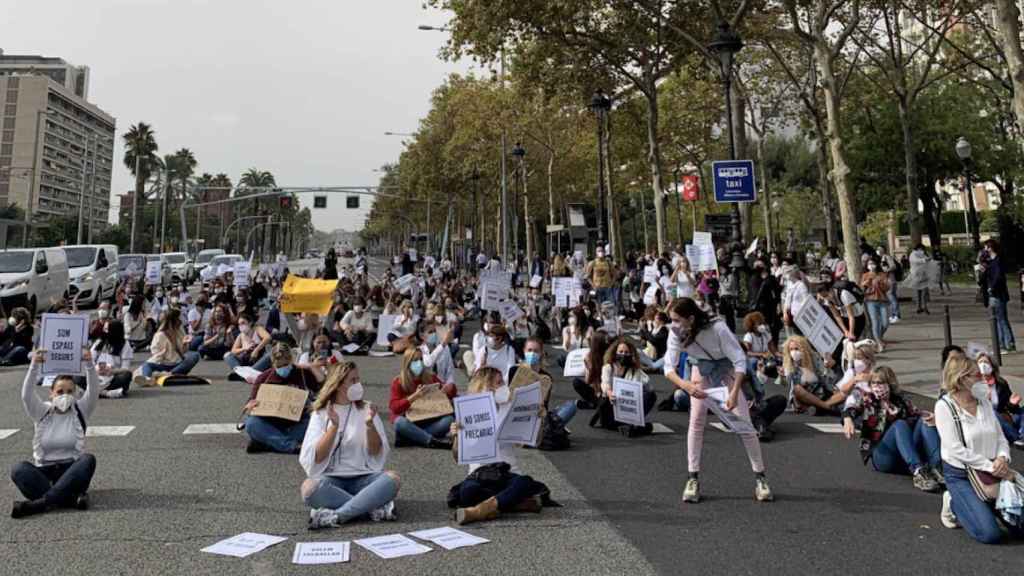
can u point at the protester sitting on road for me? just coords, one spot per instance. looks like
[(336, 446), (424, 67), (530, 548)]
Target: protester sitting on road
[(169, 351), (414, 382), (1007, 404), (343, 454), (859, 359), (114, 374), (97, 326), (436, 353), (270, 434), (136, 325), (251, 346), (499, 352), (621, 360), (320, 358), (198, 319), (304, 329), (218, 336), (809, 378), (975, 453), (896, 437), (717, 361), (406, 316), (61, 470), (17, 338), (533, 358), (757, 343), (497, 488), (479, 344), (576, 333), (589, 387), (656, 339), (356, 327)]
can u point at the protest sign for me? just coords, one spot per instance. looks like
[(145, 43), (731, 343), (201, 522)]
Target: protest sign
[(702, 239), (277, 401), (393, 546), (567, 291), (476, 415), (223, 269), (526, 376), (536, 281), (818, 327), (208, 274), (498, 277), (241, 274), (303, 295), (432, 404), (651, 295), (521, 423), (63, 336), (510, 311), (413, 255), (384, 324), (320, 552), (449, 538), (629, 401), (753, 248), (491, 296), (574, 363), (429, 262), (153, 272), (403, 283), (243, 545), (732, 421), (702, 257)]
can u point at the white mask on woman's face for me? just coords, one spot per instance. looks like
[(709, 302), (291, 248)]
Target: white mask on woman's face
[(355, 392), (63, 402), (860, 366), (502, 394), (796, 355), (985, 368)]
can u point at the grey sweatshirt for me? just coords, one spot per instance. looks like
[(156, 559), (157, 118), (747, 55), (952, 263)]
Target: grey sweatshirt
[(59, 437)]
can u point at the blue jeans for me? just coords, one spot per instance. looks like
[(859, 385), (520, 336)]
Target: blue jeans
[(605, 295), (650, 364), (566, 411), (353, 496), (188, 362), (16, 356), (1013, 432), (197, 341), (213, 351), (261, 364), (422, 433), (756, 382), (878, 312), (894, 301), (903, 445), (681, 400), (977, 518), (1002, 323), (279, 435)]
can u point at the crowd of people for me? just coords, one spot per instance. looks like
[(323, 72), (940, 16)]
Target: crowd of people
[(716, 343)]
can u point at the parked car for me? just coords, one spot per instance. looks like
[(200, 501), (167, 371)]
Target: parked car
[(93, 272), (181, 267), (228, 259), (36, 278), (204, 257)]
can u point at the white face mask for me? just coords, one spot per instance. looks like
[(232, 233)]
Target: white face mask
[(11, 320), (796, 355), (860, 366), (872, 267), (103, 313), (355, 392), (63, 402), (985, 368), (302, 324), (501, 395)]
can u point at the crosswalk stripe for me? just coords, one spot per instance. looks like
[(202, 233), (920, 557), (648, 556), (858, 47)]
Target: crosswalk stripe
[(660, 428), (7, 433), (719, 426), (827, 428), (211, 429), (95, 431)]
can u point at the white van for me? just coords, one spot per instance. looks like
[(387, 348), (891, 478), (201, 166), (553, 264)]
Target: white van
[(93, 271), (36, 278), (204, 257)]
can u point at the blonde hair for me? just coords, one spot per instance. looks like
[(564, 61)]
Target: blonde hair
[(955, 369), (482, 379), (806, 359), (889, 375), (335, 376), (412, 354)]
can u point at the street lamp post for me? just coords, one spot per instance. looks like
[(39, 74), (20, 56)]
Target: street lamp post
[(600, 104), (520, 153), (963, 151), (725, 45), (83, 198)]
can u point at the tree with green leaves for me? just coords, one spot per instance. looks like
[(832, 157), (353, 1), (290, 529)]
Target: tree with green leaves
[(140, 158)]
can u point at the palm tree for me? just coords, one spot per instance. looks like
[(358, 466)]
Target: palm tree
[(256, 178), (140, 158)]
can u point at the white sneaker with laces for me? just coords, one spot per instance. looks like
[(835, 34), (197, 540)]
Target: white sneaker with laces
[(322, 518), (762, 492), (947, 516), (691, 493), (385, 513)]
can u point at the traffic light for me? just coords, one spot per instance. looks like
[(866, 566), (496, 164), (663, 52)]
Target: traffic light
[(286, 202), (319, 201), (352, 202)]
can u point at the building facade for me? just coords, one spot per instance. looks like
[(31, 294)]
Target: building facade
[(56, 149)]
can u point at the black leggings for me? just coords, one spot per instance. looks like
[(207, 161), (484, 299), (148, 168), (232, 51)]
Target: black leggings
[(59, 485), (584, 390)]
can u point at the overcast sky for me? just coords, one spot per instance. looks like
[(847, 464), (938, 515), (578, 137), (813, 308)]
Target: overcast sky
[(303, 88)]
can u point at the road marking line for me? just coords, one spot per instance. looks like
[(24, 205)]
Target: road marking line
[(211, 429), (827, 428), (720, 426), (660, 428), (8, 433), (95, 431)]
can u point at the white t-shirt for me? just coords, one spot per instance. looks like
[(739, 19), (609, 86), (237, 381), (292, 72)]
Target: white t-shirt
[(360, 323), (757, 341), (502, 359)]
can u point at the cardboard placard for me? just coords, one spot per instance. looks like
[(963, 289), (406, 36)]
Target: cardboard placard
[(384, 325), (510, 311), (536, 281), (567, 291), (702, 257), (403, 283), (433, 404), (491, 296), (651, 274), (305, 295), (521, 424), (62, 337), (702, 239), (278, 401), (526, 376)]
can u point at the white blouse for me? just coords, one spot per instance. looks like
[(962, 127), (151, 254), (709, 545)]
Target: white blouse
[(350, 454), (985, 440)]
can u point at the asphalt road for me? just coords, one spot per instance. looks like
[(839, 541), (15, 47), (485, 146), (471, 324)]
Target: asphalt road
[(160, 495)]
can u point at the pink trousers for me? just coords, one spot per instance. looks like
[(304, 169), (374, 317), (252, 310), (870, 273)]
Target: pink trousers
[(699, 418)]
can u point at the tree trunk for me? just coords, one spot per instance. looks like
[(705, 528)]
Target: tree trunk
[(614, 222), (910, 168), (840, 169), (766, 197), (654, 163), (828, 210), (739, 115), (1008, 25), (551, 188)]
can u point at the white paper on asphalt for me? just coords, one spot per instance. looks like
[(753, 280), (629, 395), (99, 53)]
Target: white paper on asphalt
[(320, 552), (477, 417), (449, 538), (732, 421), (152, 272), (702, 257), (651, 274), (629, 401), (521, 423), (575, 363), (393, 546), (702, 239), (384, 325), (244, 544), (241, 271), (7, 433), (63, 336), (818, 327)]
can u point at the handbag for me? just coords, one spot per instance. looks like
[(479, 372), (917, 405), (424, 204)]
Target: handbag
[(986, 486)]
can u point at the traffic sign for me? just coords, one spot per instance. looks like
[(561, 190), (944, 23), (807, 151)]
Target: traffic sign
[(690, 187), (734, 181)]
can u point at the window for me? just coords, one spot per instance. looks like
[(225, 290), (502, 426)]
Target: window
[(11, 110), (41, 267), (9, 123)]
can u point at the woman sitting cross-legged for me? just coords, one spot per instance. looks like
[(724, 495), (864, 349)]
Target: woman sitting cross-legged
[(169, 350), (622, 361), (343, 454), (894, 435), (413, 383), (496, 488), (808, 377), (267, 433), (61, 471)]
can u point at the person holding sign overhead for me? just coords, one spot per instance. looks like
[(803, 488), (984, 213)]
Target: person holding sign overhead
[(343, 454), (415, 382), (268, 433), (718, 361), (61, 470)]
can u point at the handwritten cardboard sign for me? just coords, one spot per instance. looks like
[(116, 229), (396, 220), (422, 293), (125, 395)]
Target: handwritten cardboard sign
[(432, 404), (277, 401), (241, 274)]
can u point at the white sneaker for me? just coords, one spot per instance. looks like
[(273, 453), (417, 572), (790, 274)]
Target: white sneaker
[(947, 516), (322, 518), (385, 513), (691, 493), (894, 320), (762, 492)]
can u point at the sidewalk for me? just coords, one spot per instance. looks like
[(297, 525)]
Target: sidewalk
[(916, 342)]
